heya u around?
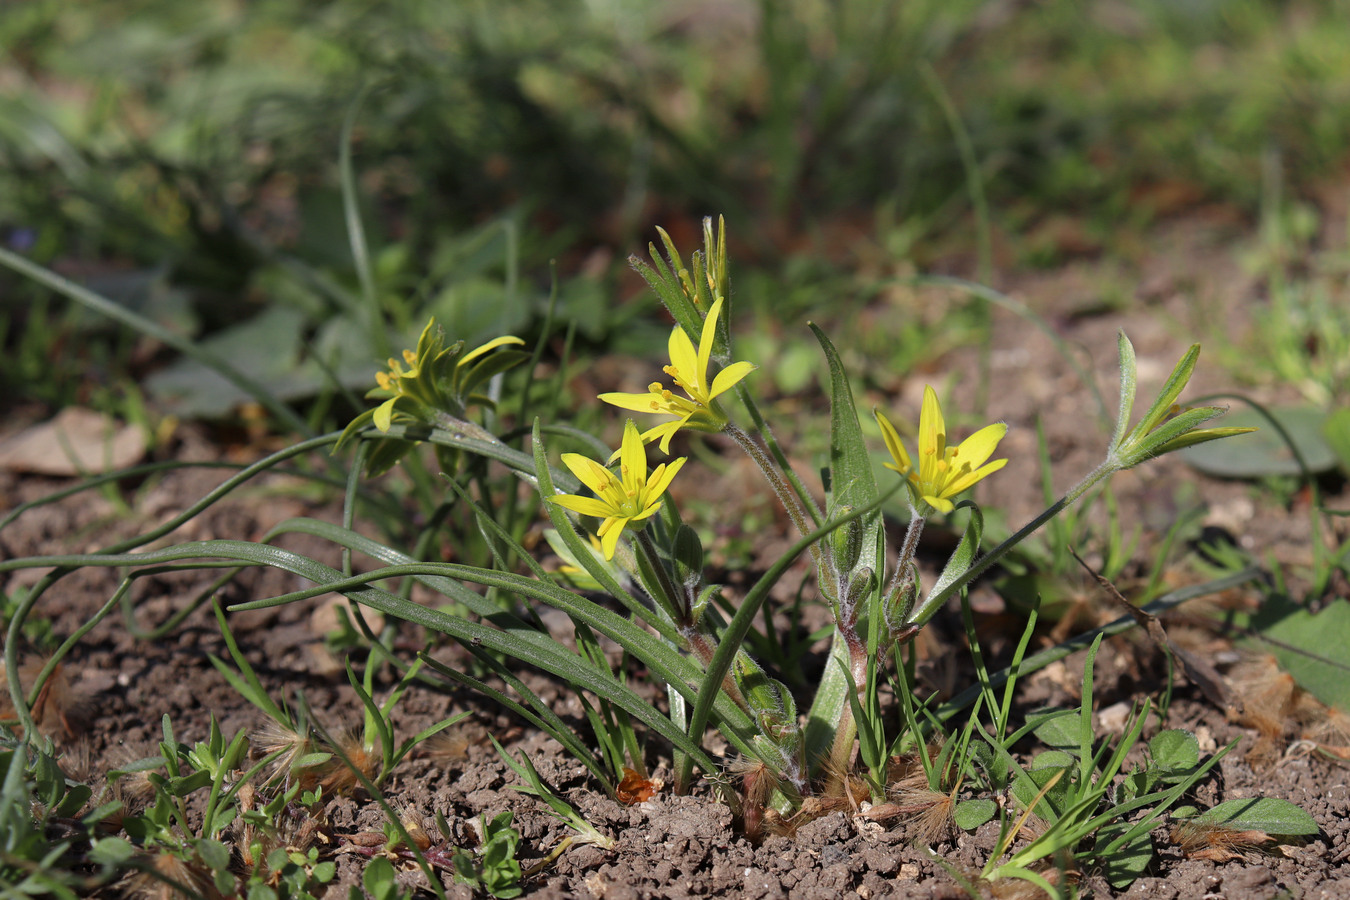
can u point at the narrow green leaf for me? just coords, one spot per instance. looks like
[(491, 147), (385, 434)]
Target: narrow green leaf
[(537, 714), (1171, 390), (1129, 383), (853, 483), (736, 630)]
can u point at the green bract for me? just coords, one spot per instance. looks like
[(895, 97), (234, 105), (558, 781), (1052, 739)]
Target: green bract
[(1165, 427), (437, 389)]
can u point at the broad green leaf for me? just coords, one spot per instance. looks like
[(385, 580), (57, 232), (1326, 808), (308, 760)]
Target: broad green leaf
[(1272, 815), (1027, 786), (1123, 865), (1309, 646), (1336, 430), (971, 814), (1057, 728), (1051, 759), (268, 347), (111, 851), (1174, 750), (852, 484), (852, 481), (215, 854)]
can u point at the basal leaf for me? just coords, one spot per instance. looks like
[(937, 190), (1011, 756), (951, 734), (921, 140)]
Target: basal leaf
[(1272, 815), (971, 814), (1309, 646)]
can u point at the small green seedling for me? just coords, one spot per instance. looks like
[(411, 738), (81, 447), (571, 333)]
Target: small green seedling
[(493, 868)]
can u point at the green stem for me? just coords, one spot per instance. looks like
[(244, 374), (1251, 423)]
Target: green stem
[(774, 475), (463, 427), (766, 435), (671, 599), (903, 576), (933, 603)]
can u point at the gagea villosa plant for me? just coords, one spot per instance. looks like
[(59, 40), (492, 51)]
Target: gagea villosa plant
[(649, 561), (632, 572)]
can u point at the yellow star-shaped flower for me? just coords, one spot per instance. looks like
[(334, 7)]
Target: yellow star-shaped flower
[(942, 472), (631, 497), (689, 369)]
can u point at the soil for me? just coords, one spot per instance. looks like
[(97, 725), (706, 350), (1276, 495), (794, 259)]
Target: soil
[(120, 688)]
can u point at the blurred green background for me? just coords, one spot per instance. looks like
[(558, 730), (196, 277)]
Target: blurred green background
[(187, 160)]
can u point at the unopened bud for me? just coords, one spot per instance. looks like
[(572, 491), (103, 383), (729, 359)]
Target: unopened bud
[(847, 541), (688, 555)]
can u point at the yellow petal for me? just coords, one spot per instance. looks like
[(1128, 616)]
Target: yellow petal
[(894, 445), (663, 476), (588, 472), (632, 457), (665, 431), (651, 510), (705, 341), (610, 532), (932, 428), (981, 445), (490, 345), (729, 376), (682, 357), (970, 478), (941, 504), (645, 403), (587, 506)]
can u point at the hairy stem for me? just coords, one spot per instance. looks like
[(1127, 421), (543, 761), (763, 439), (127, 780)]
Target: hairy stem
[(774, 475)]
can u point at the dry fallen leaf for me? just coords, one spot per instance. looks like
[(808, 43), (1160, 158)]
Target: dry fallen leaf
[(77, 442), (633, 788)]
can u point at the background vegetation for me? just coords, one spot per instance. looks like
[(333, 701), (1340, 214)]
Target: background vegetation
[(187, 161)]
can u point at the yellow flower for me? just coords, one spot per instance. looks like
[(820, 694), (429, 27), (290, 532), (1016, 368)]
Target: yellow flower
[(631, 497), (942, 472), (689, 368)]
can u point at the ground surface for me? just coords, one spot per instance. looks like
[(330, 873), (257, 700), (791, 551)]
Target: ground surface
[(678, 846)]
